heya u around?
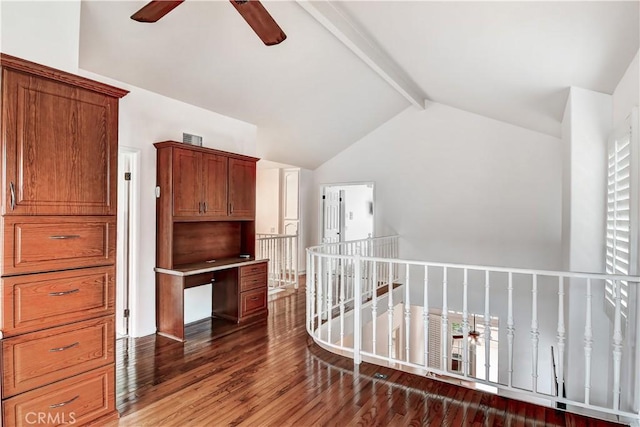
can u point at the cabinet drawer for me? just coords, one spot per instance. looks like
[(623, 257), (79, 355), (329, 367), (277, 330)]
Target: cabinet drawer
[(40, 358), (39, 301), (253, 282), (252, 269), (35, 244), (74, 401), (252, 302)]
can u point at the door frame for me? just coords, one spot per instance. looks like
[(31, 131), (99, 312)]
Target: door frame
[(320, 210), (132, 155)]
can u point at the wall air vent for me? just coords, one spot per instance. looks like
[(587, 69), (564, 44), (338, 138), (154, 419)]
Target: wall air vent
[(188, 138)]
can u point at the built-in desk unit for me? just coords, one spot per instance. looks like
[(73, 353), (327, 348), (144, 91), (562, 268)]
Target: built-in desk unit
[(206, 235)]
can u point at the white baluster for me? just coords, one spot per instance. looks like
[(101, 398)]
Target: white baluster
[(510, 329), (425, 316), (295, 262), (445, 322), (330, 281), (390, 314), (342, 301), (534, 334), (561, 337), (319, 296), (313, 284), (617, 345), (588, 345), (357, 313), (407, 314), (465, 322), (374, 306), (487, 327), (310, 291)]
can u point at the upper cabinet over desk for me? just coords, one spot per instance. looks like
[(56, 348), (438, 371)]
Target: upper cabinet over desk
[(207, 184)]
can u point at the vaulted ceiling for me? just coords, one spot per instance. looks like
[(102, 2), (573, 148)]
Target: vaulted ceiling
[(346, 67)]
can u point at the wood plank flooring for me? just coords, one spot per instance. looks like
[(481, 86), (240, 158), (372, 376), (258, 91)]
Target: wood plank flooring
[(272, 374)]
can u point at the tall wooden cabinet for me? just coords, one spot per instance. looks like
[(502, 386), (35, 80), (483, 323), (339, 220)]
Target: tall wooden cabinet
[(58, 227)]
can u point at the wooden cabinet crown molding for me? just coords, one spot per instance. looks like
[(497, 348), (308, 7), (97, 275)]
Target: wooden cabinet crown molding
[(205, 150), (8, 61)]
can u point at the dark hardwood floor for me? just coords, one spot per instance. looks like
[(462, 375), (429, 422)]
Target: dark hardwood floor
[(272, 374)]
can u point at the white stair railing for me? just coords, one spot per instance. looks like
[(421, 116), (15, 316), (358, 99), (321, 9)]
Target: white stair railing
[(366, 303), (282, 252)]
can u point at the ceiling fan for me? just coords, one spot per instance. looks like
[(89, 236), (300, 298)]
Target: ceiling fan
[(251, 10), (473, 334)]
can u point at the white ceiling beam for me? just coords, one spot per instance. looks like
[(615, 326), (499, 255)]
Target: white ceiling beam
[(345, 30)]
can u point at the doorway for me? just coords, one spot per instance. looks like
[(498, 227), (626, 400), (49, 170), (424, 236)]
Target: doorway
[(347, 212), (126, 246)]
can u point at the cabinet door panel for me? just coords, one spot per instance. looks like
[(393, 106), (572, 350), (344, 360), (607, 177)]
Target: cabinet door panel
[(214, 185), (61, 146), (187, 186), (242, 189)]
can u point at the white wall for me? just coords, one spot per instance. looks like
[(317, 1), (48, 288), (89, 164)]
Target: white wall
[(307, 231), (627, 92), (459, 187), (45, 32), (267, 200)]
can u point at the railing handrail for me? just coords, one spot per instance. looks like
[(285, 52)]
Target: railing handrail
[(261, 236), (351, 242), (475, 267)]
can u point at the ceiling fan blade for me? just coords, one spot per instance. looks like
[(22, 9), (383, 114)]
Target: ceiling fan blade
[(154, 10), (260, 21)]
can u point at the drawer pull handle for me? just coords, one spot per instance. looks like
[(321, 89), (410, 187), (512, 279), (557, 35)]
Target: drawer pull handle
[(65, 237), (66, 347), (58, 405), (59, 294), (12, 188), (254, 298)]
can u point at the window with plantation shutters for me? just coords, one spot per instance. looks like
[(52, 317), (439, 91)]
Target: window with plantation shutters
[(621, 227)]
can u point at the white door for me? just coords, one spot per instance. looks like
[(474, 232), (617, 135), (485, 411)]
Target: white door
[(332, 214), (291, 210)]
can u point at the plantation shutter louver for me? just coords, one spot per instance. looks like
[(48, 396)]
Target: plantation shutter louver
[(618, 230)]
